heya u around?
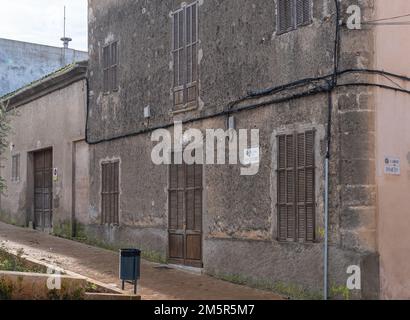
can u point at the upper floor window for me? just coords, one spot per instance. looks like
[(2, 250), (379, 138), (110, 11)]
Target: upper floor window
[(110, 66), (185, 56), (15, 168), (296, 187), (292, 14)]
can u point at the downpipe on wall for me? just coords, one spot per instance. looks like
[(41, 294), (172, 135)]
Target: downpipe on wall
[(326, 245), (326, 196)]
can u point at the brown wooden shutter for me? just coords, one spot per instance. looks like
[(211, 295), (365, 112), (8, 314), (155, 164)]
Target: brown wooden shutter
[(114, 66), (286, 188), (301, 186), (15, 168), (310, 186), (110, 192), (282, 207), (290, 186), (185, 55), (296, 188), (191, 53), (106, 68), (285, 12), (179, 57), (303, 12)]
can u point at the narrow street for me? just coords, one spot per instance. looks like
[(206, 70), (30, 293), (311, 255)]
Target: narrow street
[(157, 283)]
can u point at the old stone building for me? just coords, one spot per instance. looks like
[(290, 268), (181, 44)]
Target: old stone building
[(330, 102), (46, 166), (203, 63)]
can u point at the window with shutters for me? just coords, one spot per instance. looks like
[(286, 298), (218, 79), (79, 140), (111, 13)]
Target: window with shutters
[(110, 67), (296, 187), (185, 56), (292, 14), (15, 168), (110, 192)]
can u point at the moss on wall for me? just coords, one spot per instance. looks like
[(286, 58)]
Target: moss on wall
[(62, 229), (287, 290), (11, 219)]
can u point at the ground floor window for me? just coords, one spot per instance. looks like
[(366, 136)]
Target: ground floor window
[(110, 192), (296, 187), (15, 168)]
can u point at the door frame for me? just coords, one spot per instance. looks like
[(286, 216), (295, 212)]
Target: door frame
[(183, 262), (31, 187)]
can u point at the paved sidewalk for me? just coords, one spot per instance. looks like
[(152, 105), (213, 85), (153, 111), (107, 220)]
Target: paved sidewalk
[(156, 284)]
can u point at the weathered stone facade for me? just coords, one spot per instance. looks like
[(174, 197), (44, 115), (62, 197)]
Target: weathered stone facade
[(50, 115), (239, 52)]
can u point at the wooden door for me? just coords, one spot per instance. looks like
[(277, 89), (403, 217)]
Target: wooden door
[(43, 190), (185, 215)]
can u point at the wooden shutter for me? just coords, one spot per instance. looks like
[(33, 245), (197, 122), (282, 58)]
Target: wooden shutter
[(296, 187), (110, 67), (15, 168), (310, 200), (110, 192), (106, 68), (286, 188), (303, 12), (179, 58), (114, 66), (185, 55), (191, 53), (285, 12)]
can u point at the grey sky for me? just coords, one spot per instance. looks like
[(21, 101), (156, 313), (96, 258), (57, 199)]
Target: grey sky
[(41, 21)]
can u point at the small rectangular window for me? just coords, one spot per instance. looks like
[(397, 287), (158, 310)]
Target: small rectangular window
[(110, 67), (292, 14), (296, 187), (15, 168), (185, 56), (110, 192)]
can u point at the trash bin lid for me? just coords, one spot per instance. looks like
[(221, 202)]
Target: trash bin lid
[(130, 252)]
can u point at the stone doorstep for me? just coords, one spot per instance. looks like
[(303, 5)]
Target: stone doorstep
[(110, 291), (192, 270)]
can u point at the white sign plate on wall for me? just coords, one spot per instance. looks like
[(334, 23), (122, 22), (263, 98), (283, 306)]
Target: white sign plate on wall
[(392, 166), (251, 156)]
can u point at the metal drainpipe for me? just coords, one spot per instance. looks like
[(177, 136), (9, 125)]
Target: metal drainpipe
[(327, 160), (326, 248)]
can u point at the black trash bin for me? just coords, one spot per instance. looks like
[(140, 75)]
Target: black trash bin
[(130, 267)]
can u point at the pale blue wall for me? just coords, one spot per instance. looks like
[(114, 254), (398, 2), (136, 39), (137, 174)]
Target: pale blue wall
[(22, 62)]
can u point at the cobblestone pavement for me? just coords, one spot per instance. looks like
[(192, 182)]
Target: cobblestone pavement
[(157, 283)]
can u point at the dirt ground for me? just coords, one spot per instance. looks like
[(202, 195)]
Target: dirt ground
[(157, 282)]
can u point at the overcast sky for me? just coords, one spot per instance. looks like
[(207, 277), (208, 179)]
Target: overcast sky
[(41, 21)]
